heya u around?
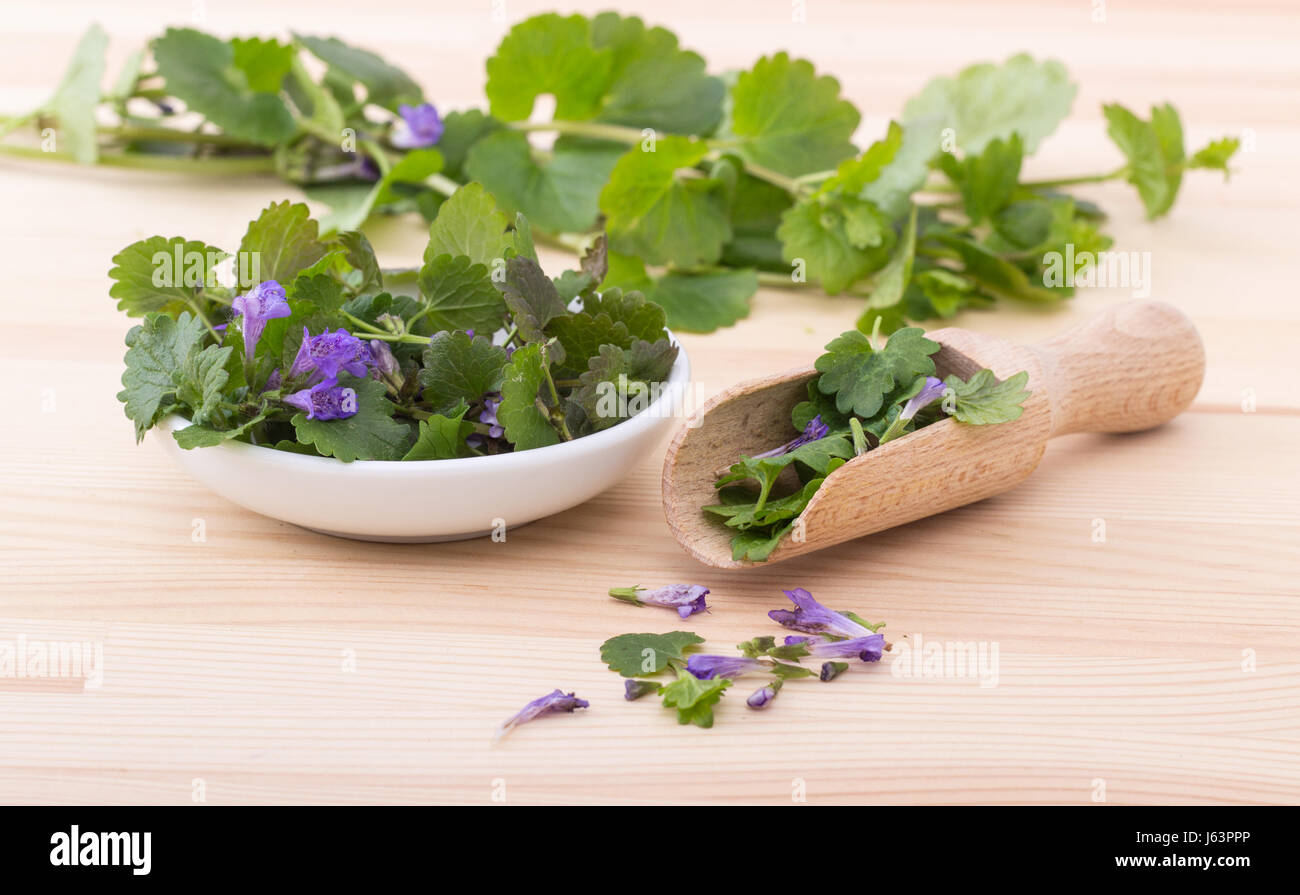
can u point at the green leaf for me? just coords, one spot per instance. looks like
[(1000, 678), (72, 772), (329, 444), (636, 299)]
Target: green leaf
[(265, 63), (892, 280), (581, 336), (860, 377), (744, 516), (634, 655), (156, 352), (704, 302), (201, 379), (369, 434), (643, 318), (1216, 155), (891, 191), (561, 195), (995, 275), (693, 698), (986, 101), (442, 437), (947, 292), (386, 85), (196, 436), (619, 383), (1029, 224), (285, 240), (982, 400), (149, 275), (531, 297), (351, 205), (1154, 150), (990, 178), (77, 97), (548, 54), (323, 291), (819, 456), (691, 302), (662, 217), (461, 131), (458, 368), (459, 294), (757, 544), (525, 424), (853, 175), (841, 239), (200, 71), (468, 224), (654, 83), (785, 117)]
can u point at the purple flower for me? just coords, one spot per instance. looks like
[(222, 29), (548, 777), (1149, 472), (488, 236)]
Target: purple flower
[(489, 415), (708, 667), (556, 701), (420, 126), (814, 431), (362, 167), (832, 670), (263, 302), (812, 617), (931, 391), (761, 697), (324, 401), (330, 353), (634, 689), (382, 359), (868, 648), (687, 599), (793, 639)]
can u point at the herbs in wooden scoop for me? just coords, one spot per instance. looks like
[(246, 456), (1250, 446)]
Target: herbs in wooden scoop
[(865, 396), (709, 185), (317, 350)]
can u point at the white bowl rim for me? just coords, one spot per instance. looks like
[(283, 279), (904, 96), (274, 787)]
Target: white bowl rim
[(678, 378)]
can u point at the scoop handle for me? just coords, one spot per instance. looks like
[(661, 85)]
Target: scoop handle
[(1134, 366)]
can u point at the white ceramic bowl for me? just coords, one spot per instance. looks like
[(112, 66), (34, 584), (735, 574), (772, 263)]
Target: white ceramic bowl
[(431, 500)]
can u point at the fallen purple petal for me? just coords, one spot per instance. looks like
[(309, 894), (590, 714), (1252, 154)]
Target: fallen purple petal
[(812, 617), (707, 667), (555, 701)]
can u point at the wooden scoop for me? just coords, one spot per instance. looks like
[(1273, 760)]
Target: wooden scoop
[(1132, 367)]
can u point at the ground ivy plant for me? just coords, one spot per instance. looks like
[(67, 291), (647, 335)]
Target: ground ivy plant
[(865, 394), (693, 683), (707, 185), (322, 352)]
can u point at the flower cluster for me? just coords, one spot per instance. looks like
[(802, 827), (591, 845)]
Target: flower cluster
[(702, 677), (320, 359)]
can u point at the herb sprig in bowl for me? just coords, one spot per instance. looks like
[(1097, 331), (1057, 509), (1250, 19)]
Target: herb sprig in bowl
[(320, 356)]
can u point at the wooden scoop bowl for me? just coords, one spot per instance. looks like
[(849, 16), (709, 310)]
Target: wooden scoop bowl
[(1134, 366)]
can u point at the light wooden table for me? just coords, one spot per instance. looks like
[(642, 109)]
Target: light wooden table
[(1159, 666)]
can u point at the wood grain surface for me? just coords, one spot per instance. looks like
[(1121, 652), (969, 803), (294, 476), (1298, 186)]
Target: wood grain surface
[(264, 663)]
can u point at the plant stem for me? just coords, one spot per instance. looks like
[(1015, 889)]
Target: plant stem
[(631, 136), (1040, 184), (171, 135), (204, 318), (219, 166), (593, 129)]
